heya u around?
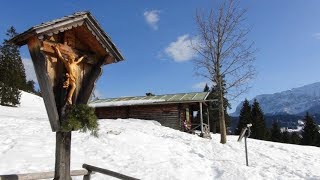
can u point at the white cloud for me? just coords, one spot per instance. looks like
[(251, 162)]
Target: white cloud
[(181, 49), (152, 18), (316, 35), (201, 85), (28, 66)]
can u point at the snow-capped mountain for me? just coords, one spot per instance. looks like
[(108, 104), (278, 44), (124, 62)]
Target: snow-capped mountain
[(294, 101)]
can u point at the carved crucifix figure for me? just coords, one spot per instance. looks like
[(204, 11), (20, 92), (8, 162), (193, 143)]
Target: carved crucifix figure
[(70, 64)]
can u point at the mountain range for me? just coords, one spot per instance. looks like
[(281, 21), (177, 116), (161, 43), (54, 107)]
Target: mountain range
[(296, 101)]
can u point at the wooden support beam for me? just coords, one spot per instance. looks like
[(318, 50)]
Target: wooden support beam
[(89, 81), (63, 152), (201, 118), (208, 118), (39, 63)]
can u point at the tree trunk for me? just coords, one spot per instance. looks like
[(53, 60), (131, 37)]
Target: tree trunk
[(223, 132), (63, 152)]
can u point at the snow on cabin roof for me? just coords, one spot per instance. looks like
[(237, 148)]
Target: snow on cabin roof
[(149, 100), (68, 22)]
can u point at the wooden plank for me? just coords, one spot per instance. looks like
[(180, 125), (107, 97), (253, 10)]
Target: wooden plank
[(107, 172), (41, 175), (39, 63)]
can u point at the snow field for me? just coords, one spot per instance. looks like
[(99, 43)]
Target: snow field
[(146, 150)]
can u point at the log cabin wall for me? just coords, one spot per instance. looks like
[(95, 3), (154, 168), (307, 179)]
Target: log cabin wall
[(169, 115), (112, 112)]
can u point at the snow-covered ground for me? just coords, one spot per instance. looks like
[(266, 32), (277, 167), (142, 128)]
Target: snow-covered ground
[(146, 150)]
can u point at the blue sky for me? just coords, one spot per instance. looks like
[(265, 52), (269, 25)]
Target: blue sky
[(153, 37)]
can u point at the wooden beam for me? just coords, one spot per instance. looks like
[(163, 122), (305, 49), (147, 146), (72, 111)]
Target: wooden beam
[(201, 118), (63, 152), (39, 63), (89, 83), (208, 118), (41, 175), (65, 49)]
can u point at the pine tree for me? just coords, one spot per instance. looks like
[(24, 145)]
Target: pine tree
[(12, 73), (258, 123), (214, 111), (245, 116), (285, 137), (206, 88), (30, 87), (275, 132), (318, 139), (294, 138), (310, 131)]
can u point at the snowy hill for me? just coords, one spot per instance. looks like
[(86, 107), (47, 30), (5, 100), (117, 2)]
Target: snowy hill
[(294, 101), (146, 150)]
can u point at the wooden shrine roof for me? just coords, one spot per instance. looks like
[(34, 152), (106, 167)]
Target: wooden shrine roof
[(68, 22)]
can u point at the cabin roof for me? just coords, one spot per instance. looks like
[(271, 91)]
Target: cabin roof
[(152, 100), (68, 22)]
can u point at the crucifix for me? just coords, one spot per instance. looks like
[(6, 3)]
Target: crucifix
[(70, 64), (70, 57)]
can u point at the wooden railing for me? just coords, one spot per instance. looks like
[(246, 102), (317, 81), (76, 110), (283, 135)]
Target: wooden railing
[(41, 175), (86, 173), (105, 172)]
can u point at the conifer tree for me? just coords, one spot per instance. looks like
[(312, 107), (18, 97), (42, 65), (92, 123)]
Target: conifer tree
[(206, 88), (294, 138), (214, 110), (275, 132), (318, 139), (12, 73), (245, 116), (285, 137), (258, 123), (310, 131)]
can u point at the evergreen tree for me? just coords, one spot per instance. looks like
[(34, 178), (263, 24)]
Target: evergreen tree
[(30, 87), (258, 123), (206, 88), (214, 110), (245, 116), (294, 138), (285, 137), (275, 132), (310, 131), (12, 73), (318, 139)]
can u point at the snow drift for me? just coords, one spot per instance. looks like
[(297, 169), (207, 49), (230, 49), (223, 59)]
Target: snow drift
[(146, 150)]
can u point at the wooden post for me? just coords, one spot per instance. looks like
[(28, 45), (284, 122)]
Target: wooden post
[(63, 152), (208, 118), (87, 176), (201, 119)]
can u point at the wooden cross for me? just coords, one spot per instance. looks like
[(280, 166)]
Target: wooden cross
[(66, 50)]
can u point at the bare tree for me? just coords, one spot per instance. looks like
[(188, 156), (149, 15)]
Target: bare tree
[(225, 54)]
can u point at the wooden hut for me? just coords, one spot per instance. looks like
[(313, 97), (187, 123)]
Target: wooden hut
[(183, 111)]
